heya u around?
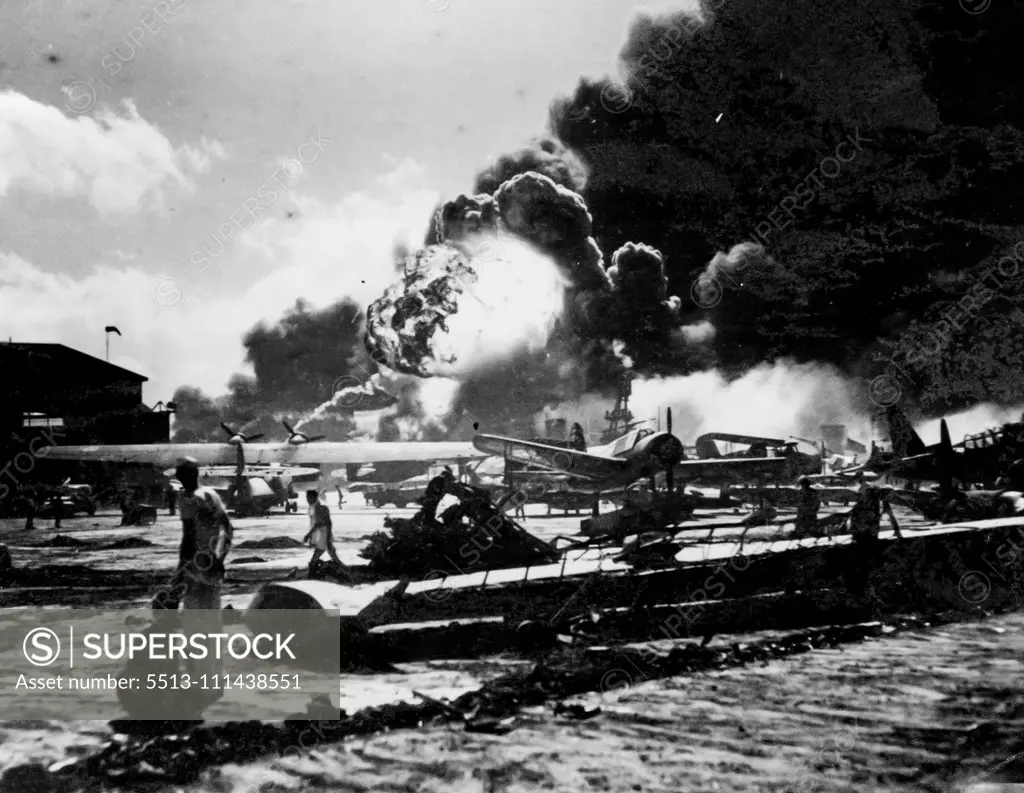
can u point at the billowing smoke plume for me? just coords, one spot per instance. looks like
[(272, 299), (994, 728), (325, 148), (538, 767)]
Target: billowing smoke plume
[(872, 167), (417, 416), (773, 400), (298, 363), (545, 156)]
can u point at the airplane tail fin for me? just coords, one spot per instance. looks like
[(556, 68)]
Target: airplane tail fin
[(905, 440), (707, 450), (946, 457), (945, 442)]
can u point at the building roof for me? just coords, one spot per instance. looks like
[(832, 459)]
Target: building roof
[(66, 358)]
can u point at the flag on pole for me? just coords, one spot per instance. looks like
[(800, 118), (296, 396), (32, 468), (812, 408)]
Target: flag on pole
[(112, 329)]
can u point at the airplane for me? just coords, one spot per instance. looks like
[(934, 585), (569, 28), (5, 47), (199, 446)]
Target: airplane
[(253, 490), (832, 461), (298, 450), (978, 459), (911, 459), (797, 463), (639, 454)]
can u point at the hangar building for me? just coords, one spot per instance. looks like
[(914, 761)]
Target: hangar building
[(76, 397)]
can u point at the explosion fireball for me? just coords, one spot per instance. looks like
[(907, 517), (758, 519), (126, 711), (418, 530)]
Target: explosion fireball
[(455, 311)]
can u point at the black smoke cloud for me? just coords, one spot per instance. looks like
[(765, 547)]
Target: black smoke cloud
[(545, 156), (297, 363), (719, 119)]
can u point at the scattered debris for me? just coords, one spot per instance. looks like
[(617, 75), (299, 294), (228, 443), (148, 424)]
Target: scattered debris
[(492, 725), (271, 544), (127, 543), (64, 541), (576, 711)]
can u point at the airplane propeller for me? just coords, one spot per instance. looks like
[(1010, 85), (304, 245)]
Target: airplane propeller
[(232, 434), (300, 437), (670, 453)]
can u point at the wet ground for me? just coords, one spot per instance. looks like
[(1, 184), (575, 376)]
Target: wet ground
[(916, 710)]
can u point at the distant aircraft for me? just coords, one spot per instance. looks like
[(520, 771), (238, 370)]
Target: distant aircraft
[(820, 466), (639, 454), (977, 459), (253, 490), (911, 459)]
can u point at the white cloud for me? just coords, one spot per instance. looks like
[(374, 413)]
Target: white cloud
[(120, 162), (325, 253), (328, 251)]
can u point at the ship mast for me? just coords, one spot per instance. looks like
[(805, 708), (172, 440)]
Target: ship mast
[(620, 417)]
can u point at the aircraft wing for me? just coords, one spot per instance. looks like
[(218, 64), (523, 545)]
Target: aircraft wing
[(749, 440), (316, 453), (254, 470), (551, 458), (739, 465)]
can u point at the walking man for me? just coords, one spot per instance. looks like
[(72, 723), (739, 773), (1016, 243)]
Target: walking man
[(205, 541), (320, 535), (206, 535)]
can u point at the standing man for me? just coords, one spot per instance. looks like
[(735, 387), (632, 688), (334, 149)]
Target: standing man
[(28, 505), (866, 515), (807, 510), (57, 506), (865, 525), (885, 508), (320, 535), (172, 498), (436, 489)]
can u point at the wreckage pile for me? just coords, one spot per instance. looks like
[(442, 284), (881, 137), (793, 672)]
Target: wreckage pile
[(411, 548), (470, 535)]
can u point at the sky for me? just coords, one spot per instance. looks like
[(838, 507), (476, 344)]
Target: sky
[(183, 169)]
